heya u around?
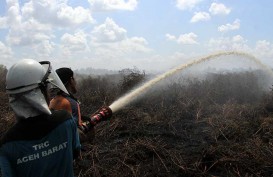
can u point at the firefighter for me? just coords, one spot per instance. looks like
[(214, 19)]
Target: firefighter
[(68, 102), (41, 142)]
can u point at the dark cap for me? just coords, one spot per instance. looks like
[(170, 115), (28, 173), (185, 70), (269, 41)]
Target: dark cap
[(65, 74)]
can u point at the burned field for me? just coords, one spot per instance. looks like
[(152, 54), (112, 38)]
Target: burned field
[(218, 126)]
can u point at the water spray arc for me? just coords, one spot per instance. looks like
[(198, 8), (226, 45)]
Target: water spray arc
[(126, 99)]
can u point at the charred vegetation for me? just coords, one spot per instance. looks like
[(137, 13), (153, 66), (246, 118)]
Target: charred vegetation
[(218, 126)]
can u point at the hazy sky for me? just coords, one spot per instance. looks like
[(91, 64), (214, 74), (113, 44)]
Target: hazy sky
[(117, 34)]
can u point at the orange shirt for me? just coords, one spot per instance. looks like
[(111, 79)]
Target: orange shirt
[(65, 102)]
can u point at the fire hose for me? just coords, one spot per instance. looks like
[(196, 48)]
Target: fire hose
[(103, 114)]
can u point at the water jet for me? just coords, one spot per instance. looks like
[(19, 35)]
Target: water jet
[(131, 96)]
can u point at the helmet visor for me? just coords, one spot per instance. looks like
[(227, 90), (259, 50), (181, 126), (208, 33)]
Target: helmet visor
[(52, 77)]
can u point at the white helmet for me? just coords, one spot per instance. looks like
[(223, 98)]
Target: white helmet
[(29, 74)]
